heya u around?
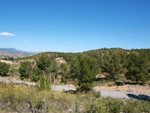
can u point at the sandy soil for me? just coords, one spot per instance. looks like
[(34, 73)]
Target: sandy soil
[(8, 62), (128, 88)]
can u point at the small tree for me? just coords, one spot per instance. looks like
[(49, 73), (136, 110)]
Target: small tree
[(36, 73), (86, 73), (74, 67), (48, 65), (65, 68), (113, 66), (44, 83), (138, 68), (25, 69), (44, 62), (4, 68)]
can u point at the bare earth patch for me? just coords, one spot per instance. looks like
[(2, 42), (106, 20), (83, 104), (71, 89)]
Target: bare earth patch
[(7, 62), (127, 88)]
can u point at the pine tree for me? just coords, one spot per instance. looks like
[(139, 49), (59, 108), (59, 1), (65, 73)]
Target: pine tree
[(25, 69), (48, 65), (138, 68), (85, 71), (4, 68), (44, 83)]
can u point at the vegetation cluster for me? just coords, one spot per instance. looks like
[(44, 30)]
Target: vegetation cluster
[(81, 69), (85, 69), (25, 99), (119, 65)]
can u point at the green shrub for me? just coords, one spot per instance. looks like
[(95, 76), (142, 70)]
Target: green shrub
[(133, 106), (113, 105), (26, 99), (96, 94), (35, 78), (111, 84), (84, 69), (94, 106), (13, 72), (121, 81), (25, 69), (44, 83), (4, 68)]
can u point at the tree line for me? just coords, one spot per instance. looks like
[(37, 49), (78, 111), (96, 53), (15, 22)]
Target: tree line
[(116, 62), (83, 67)]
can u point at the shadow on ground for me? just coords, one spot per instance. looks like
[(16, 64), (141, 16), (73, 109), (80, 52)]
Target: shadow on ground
[(139, 97)]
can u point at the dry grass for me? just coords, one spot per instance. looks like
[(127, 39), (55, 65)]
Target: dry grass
[(27, 99), (7, 62), (128, 88)]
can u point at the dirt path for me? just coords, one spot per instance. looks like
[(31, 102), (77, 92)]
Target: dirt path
[(128, 88), (123, 94), (104, 93)]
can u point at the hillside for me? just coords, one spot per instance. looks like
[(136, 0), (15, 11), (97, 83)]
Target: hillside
[(121, 68), (113, 63), (94, 53), (11, 52)]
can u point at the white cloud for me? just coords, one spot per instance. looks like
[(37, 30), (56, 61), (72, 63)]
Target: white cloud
[(6, 34)]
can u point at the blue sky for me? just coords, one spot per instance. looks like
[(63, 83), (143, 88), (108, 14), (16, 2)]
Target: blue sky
[(74, 25)]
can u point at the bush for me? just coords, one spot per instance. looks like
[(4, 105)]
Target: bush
[(121, 81), (84, 69), (35, 78), (13, 72), (25, 99), (85, 87), (44, 83), (4, 68), (113, 106), (25, 69), (94, 106), (96, 94), (111, 84), (133, 106)]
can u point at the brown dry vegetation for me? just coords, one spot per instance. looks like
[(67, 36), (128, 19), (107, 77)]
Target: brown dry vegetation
[(8, 62), (26, 99), (60, 60), (128, 88)]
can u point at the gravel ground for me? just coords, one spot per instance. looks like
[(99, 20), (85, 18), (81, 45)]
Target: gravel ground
[(123, 94), (63, 87), (104, 93), (16, 81)]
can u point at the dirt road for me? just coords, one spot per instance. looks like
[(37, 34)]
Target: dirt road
[(104, 93)]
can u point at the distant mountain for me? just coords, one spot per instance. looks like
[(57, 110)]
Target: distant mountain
[(12, 52)]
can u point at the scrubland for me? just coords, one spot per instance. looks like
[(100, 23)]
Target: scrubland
[(29, 99)]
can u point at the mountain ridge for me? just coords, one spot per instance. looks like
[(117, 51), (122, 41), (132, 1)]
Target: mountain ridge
[(12, 52)]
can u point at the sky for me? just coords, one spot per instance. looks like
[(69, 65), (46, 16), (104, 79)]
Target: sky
[(74, 25)]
